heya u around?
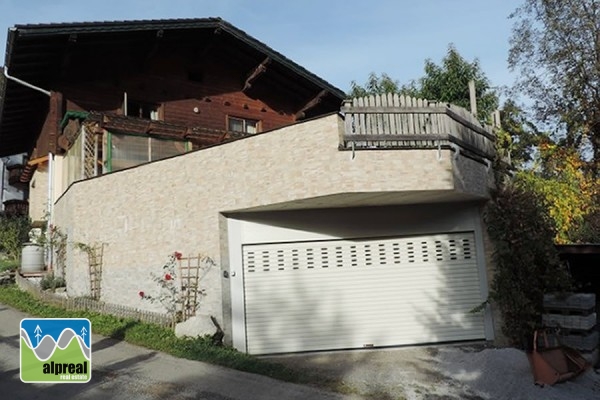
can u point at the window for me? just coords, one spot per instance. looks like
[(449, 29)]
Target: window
[(242, 125), (129, 151), (140, 109)]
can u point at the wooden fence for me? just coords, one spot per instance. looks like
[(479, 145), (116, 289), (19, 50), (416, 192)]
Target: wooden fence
[(396, 121), (87, 304)]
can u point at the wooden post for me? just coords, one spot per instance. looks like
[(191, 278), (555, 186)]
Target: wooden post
[(472, 97)]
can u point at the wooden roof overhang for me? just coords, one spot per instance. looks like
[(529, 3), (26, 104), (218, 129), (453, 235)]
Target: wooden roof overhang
[(44, 54), (115, 123)]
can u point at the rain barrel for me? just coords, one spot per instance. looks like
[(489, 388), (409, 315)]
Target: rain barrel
[(32, 258)]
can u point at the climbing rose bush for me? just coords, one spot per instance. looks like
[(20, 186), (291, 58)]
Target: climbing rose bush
[(169, 289), (171, 293)]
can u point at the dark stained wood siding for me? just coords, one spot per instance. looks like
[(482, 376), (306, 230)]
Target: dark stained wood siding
[(47, 140), (214, 89)]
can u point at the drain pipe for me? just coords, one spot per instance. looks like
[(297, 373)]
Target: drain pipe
[(50, 164), (26, 84)]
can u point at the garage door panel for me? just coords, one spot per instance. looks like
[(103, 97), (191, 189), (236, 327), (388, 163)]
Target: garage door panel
[(344, 294)]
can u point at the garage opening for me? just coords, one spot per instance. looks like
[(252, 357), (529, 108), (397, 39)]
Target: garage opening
[(346, 294)]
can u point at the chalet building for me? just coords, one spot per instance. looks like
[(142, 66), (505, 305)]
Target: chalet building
[(332, 223)]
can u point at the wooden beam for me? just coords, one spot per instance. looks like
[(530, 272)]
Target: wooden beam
[(254, 74), (311, 104), (38, 160)]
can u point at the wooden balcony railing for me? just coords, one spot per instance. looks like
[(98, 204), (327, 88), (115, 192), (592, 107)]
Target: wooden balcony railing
[(16, 207), (399, 122)]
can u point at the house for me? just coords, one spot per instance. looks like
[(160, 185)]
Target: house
[(332, 226)]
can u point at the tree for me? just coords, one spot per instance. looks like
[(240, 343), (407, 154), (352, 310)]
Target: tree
[(447, 82), (518, 138), (555, 47), (568, 190), (375, 85)]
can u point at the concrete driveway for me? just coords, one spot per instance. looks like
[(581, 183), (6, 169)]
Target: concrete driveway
[(123, 371)]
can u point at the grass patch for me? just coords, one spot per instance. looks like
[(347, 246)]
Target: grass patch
[(159, 338)]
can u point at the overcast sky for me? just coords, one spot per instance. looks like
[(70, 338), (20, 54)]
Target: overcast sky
[(339, 40)]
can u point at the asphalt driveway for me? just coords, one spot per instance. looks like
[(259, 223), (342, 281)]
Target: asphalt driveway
[(123, 371), (449, 372)]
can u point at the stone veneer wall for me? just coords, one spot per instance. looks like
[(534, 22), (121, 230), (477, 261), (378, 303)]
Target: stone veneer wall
[(38, 193), (145, 213)]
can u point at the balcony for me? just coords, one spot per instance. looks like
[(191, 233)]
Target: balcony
[(401, 122), (14, 174), (16, 207)]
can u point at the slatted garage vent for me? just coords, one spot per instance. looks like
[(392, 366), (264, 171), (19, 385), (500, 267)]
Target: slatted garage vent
[(355, 293)]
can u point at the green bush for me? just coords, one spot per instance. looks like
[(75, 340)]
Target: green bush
[(526, 260), (14, 231), (50, 281)]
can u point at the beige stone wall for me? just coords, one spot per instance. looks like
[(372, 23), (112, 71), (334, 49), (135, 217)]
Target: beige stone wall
[(38, 193), (146, 213)]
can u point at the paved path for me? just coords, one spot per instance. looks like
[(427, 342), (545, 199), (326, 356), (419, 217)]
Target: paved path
[(124, 371)]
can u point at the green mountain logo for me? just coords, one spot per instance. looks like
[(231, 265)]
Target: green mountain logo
[(56, 350)]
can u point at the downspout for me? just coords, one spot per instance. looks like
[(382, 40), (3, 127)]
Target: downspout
[(26, 84), (50, 163), (2, 185)]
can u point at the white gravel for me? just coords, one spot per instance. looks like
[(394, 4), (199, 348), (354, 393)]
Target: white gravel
[(506, 374), (446, 372)]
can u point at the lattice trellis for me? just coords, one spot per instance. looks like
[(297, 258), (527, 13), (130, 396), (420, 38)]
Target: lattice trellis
[(95, 254), (90, 154), (191, 272)]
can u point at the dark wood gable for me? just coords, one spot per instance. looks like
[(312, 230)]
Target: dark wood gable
[(192, 73)]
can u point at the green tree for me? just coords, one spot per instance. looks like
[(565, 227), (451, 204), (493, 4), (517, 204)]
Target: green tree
[(555, 48), (570, 191), (518, 138), (447, 82), (375, 84)]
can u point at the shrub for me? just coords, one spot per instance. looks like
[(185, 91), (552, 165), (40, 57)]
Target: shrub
[(526, 260), (14, 231), (49, 281)]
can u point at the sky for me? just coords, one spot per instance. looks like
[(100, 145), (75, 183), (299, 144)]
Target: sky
[(339, 40)]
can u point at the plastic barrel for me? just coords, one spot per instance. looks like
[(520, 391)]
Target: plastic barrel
[(32, 258)]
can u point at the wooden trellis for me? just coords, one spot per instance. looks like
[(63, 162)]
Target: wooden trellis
[(95, 254), (191, 272)]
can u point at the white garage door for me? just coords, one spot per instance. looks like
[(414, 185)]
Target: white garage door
[(361, 293)]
